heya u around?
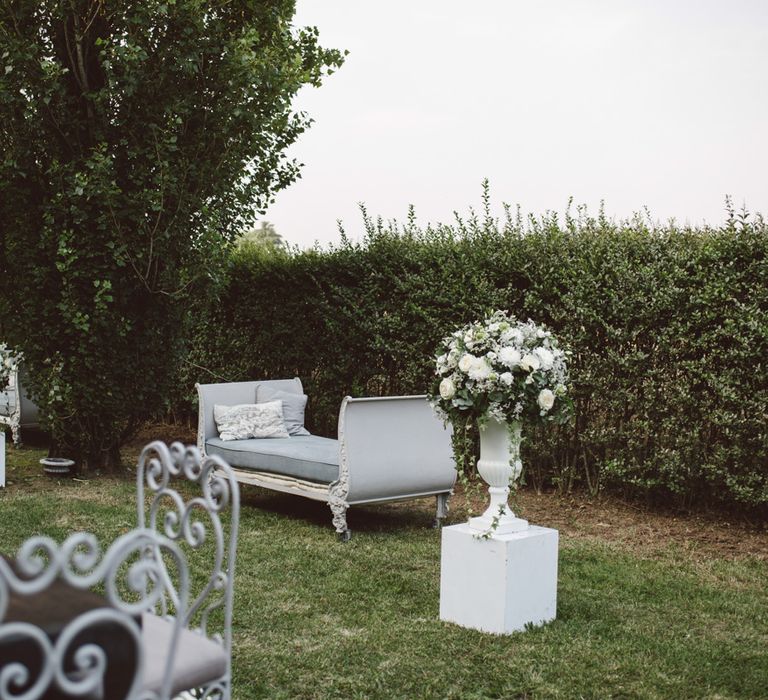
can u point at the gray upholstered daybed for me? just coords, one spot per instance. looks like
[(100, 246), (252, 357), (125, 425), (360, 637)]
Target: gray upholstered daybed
[(388, 448)]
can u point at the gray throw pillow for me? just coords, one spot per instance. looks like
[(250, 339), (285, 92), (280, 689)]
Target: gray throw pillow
[(293, 407)]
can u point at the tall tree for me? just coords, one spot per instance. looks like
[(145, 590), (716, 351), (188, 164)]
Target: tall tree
[(136, 140), (265, 236)]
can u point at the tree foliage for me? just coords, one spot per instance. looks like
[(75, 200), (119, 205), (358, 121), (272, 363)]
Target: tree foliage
[(136, 140), (265, 236)]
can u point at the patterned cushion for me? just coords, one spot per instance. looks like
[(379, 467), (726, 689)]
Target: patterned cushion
[(250, 420)]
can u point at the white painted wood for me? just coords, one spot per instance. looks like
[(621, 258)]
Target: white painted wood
[(278, 482), (500, 584), (2, 459)]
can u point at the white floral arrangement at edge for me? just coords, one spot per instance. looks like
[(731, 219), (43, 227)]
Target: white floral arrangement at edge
[(502, 369), (9, 363)]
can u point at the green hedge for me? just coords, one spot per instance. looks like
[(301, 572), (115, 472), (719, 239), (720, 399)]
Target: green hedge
[(668, 327)]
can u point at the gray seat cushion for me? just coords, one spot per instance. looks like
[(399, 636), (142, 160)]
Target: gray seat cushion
[(199, 660), (307, 457)]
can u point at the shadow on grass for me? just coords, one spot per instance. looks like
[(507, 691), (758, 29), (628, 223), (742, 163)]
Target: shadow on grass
[(385, 517)]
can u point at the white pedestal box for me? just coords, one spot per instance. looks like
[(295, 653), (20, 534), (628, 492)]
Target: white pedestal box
[(500, 584)]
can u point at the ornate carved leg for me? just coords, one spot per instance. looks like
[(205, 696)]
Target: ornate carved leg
[(16, 429), (339, 489), (339, 510), (442, 509)]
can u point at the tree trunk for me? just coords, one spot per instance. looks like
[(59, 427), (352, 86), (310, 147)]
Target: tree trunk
[(96, 460), (105, 460)]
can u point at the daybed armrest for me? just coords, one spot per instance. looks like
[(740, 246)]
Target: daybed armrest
[(392, 447)]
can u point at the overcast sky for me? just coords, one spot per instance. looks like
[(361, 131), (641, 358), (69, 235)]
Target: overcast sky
[(657, 103)]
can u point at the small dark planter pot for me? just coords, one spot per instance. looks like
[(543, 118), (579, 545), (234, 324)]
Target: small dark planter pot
[(57, 466)]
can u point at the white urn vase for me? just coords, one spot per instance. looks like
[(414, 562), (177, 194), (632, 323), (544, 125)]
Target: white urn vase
[(499, 466)]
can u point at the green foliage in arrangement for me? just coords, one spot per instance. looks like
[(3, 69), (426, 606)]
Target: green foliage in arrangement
[(668, 326), (136, 140)]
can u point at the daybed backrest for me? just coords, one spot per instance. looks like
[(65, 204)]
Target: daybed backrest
[(229, 394), (395, 446)]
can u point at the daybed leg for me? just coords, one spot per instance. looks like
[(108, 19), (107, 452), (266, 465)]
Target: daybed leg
[(339, 510), (442, 509), (16, 434)]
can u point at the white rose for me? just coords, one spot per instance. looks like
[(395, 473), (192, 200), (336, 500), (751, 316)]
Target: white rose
[(530, 363), (546, 399), (512, 335), (546, 358), (466, 362), (479, 370), (509, 356), (506, 378), (447, 388)]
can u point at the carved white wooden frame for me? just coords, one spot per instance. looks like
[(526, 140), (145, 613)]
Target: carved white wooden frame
[(338, 491)]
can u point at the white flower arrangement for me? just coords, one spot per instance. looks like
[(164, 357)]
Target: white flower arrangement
[(503, 369), (9, 363)]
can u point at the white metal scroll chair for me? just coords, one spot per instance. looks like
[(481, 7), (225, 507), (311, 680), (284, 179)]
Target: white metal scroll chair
[(150, 635), (203, 664), (60, 640)]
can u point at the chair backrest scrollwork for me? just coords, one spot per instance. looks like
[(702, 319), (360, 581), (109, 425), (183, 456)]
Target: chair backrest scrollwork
[(194, 519), (132, 583)]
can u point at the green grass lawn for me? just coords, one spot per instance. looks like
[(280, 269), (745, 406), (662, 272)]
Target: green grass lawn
[(315, 618)]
